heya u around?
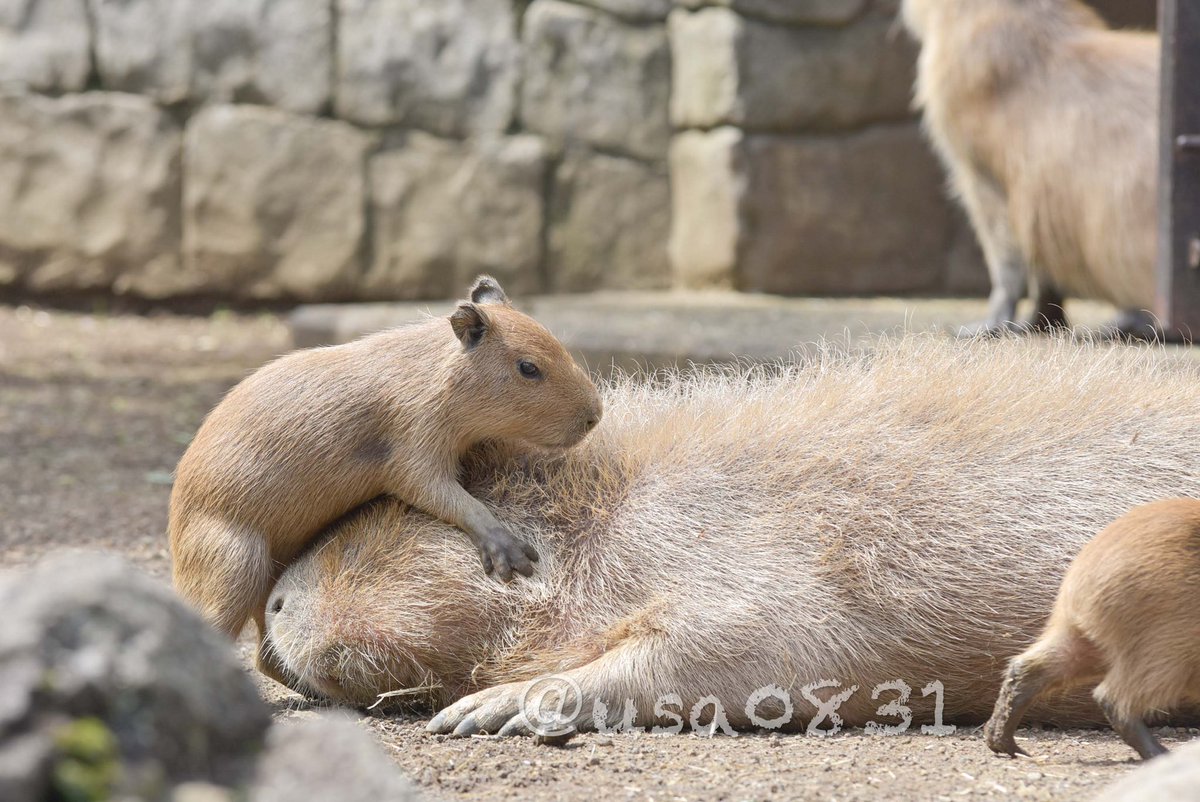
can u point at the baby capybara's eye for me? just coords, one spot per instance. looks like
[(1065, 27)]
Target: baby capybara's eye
[(529, 370)]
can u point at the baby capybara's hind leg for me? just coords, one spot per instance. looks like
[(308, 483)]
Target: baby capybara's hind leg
[(1124, 713), (1060, 659), (223, 571)]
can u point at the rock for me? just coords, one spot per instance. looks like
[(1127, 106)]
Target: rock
[(44, 45), (25, 763), (273, 203), (870, 215), (729, 70), (1173, 776), (274, 52), (446, 211), (609, 221), (590, 78), (328, 758), (791, 12), (89, 188), (112, 667), (634, 10), (201, 792), (448, 66), (706, 197)]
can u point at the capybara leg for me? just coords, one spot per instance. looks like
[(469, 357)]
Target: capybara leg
[(1132, 324), (988, 210), (500, 552), (1048, 311), (1131, 728), (224, 573), (1024, 681)]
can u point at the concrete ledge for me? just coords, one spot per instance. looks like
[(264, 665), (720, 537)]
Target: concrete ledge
[(654, 330)]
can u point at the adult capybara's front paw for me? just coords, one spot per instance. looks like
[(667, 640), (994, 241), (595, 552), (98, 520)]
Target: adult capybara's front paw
[(547, 706), (999, 741)]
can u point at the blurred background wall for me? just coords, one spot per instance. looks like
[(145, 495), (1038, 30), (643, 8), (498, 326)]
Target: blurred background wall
[(292, 150)]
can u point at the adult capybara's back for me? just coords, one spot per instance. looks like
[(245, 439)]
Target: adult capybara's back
[(904, 514)]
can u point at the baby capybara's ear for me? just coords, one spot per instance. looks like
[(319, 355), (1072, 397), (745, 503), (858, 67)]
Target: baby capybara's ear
[(470, 324), (487, 290)]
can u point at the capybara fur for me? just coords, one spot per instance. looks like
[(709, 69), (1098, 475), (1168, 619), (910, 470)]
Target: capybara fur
[(901, 514), (1126, 623), (1047, 122), (312, 435)]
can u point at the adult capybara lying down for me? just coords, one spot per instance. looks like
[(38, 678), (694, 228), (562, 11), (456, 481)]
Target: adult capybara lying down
[(905, 514)]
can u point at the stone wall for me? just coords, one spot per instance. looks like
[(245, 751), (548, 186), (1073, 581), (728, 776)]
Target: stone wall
[(392, 149)]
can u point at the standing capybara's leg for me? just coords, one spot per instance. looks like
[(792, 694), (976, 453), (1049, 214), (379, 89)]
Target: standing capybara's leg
[(1060, 659), (1048, 311), (988, 209), (1127, 724), (223, 571)]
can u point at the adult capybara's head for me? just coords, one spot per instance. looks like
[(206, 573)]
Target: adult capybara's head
[(519, 383), (391, 600)]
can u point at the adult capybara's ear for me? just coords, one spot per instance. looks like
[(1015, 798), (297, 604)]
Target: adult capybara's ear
[(487, 290), (470, 324)]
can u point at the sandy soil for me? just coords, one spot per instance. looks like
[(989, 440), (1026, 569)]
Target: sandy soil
[(96, 410)]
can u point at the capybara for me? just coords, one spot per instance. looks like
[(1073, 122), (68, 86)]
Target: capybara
[(1047, 122), (1126, 622), (312, 435), (898, 516)]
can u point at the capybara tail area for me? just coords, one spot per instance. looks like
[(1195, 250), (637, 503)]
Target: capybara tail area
[(223, 571)]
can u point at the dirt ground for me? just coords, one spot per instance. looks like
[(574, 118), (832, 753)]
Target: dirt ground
[(94, 413)]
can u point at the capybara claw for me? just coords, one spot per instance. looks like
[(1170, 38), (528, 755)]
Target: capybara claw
[(1004, 745), (503, 554)]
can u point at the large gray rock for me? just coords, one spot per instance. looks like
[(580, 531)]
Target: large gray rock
[(590, 78), (810, 215), (108, 681), (273, 203), (791, 12), (449, 66), (445, 211), (330, 757), (260, 51), (609, 221), (44, 44), (729, 70), (89, 189)]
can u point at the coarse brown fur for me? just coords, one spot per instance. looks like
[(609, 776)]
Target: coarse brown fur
[(905, 513), (1047, 122), (1126, 622), (316, 433)]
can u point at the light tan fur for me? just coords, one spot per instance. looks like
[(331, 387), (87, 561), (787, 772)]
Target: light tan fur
[(1047, 122), (905, 513), (316, 433), (1126, 622)]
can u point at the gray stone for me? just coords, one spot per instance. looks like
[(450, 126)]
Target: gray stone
[(331, 757), (729, 70), (25, 763), (635, 10), (609, 221), (590, 78), (44, 44), (446, 211), (273, 203), (706, 197), (1175, 776), (449, 66), (117, 655), (792, 12), (811, 215), (261, 51), (89, 191)]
